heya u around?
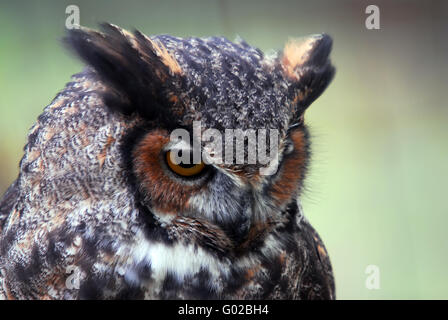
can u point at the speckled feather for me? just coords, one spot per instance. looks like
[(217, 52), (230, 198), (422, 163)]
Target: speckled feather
[(89, 197)]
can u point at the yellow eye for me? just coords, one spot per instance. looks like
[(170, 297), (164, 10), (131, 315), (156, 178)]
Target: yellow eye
[(186, 170)]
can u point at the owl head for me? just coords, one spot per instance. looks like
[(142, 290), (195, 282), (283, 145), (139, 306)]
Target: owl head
[(98, 174), (173, 83)]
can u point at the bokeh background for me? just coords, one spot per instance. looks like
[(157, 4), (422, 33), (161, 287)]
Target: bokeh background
[(378, 189)]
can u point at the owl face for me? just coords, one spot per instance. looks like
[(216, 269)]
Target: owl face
[(99, 187), (233, 198)]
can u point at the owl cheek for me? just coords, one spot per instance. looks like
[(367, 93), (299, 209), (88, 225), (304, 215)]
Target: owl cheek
[(287, 184), (162, 193)]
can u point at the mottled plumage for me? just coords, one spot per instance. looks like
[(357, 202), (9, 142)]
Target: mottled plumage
[(95, 195)]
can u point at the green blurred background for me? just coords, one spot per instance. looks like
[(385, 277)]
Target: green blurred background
[(377, 191)]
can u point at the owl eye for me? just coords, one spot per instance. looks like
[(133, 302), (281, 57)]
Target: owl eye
[(185, 170)]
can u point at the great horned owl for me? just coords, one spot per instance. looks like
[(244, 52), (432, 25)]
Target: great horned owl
[(99, 211)]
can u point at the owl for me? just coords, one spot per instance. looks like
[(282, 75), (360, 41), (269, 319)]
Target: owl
[(100, 210)]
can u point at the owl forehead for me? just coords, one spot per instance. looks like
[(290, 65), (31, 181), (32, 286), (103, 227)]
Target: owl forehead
[(229, 85)]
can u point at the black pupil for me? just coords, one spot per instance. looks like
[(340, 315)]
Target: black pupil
[(187, 166), (190, 164)]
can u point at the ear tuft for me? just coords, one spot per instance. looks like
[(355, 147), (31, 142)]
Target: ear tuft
[(307, 51), (139, 68), (160, 50), (306, 64)]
